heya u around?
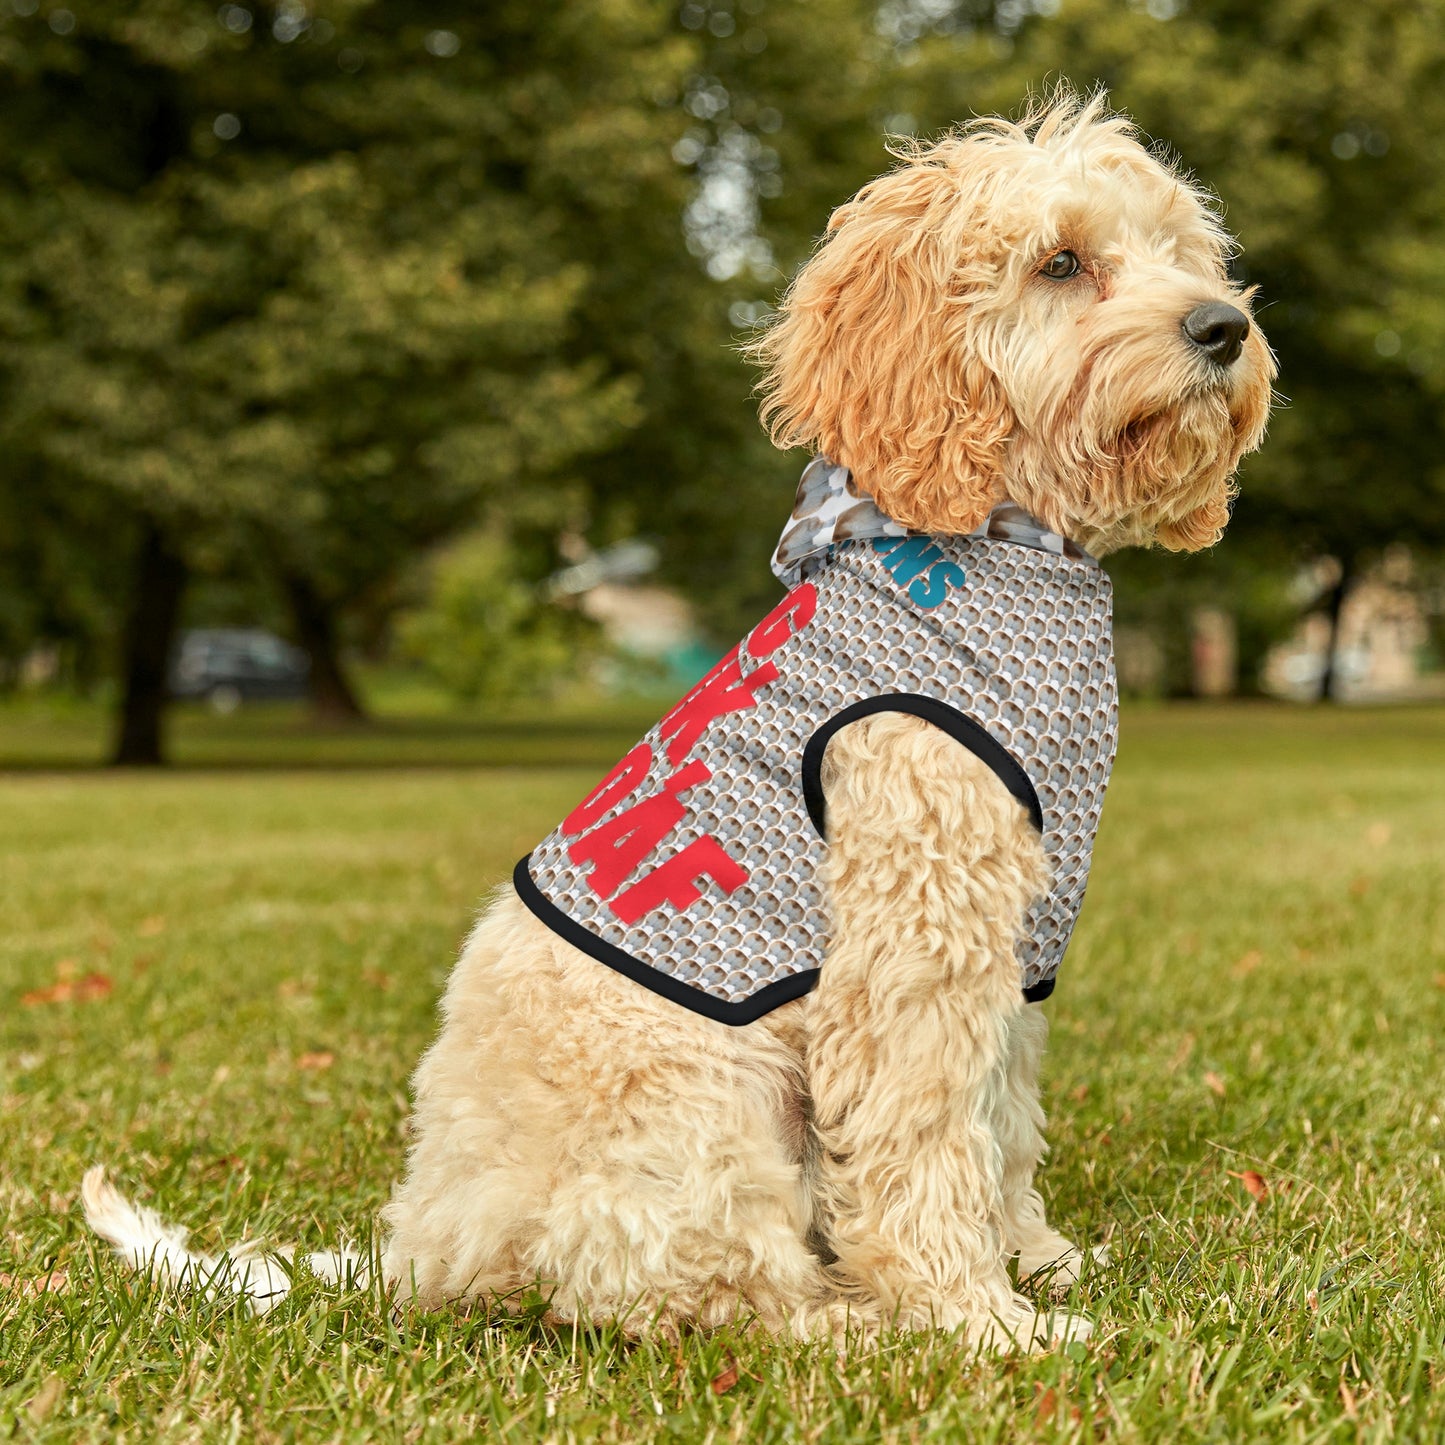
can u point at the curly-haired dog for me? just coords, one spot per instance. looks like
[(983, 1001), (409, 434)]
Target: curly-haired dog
[(805, 1091)]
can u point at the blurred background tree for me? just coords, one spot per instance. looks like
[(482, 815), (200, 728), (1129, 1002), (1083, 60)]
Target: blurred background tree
[(483, 633), (309, 290), (292, 294)]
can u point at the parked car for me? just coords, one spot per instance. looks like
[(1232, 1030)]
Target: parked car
[(230, 665)]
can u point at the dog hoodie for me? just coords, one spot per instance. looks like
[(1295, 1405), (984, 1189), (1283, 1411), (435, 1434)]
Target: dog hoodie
[(693, 867)]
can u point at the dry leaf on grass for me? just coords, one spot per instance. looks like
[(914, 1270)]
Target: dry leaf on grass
[(45, 1399), (1214, 1083), (66, 990), (724, 1382), (1254, 1183), (1181, 1054), (1248, 963), (1046, 1408), (56, 1282), (320, 1059)]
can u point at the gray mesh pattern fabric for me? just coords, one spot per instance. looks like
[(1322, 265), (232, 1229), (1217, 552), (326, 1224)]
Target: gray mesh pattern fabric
[(1012, 636)]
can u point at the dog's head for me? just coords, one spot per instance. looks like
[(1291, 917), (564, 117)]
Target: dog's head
[(1036, 311)]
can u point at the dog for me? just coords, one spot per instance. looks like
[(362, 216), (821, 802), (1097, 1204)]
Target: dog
[(804, 1094)]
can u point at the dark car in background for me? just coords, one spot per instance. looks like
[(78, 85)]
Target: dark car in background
[(227, 666)]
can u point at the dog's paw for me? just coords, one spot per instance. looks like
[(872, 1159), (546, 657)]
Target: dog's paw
[(1058, 1269), (1059, 1327), (1023, 1326)]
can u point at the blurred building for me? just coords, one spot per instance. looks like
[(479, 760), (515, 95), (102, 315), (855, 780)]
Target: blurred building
[(1382, 647), (652, 630)]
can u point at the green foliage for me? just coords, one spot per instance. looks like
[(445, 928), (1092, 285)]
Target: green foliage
[(310, 286), (486, 634), (1254, 915)]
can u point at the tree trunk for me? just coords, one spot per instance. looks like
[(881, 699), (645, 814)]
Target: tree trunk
[(1329, 678), (150, 630), (333, 699)]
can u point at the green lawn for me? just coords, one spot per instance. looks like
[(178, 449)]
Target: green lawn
[(251, 958)]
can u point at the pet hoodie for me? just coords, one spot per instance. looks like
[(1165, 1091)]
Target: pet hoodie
[(693, 867)]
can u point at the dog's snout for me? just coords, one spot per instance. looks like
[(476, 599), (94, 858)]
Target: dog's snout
[(1218, 330)]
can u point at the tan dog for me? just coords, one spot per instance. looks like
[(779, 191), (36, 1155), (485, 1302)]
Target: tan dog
[(1037, 312)]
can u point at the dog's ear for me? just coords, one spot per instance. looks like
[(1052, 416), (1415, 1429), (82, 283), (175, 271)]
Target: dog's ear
[(873, 359)]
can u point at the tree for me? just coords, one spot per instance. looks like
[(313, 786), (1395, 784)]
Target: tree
[(306, 286)]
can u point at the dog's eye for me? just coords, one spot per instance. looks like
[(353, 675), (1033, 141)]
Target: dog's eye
[(1060, 266)]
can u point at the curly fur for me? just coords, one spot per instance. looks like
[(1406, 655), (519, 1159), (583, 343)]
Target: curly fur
[(864, 1156), (921, 348)]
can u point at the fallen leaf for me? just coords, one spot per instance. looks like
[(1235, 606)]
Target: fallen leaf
[(1254, 1182), (1047, 1408), (724, 1382), (83, 990), (320, 1059), (56, 993), (151, 927), (1080, 1094), (56, 1282), (1214, 1083), (1248, 963), (45, 1399)]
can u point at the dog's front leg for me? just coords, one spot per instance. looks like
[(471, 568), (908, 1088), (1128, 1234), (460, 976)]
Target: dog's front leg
[(931, 868)]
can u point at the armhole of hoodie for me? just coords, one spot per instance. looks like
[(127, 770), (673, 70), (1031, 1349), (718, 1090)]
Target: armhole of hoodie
[(961, 728)]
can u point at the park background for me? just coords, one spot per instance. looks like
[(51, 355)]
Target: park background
[(408, 333)]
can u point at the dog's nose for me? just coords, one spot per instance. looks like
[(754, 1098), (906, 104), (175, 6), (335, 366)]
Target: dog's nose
[(1218, 331)]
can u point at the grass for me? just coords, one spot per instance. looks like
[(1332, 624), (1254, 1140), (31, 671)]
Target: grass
[(409, 729), (230, 972)]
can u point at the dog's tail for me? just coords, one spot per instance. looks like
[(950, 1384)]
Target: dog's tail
[(146, 1242)]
